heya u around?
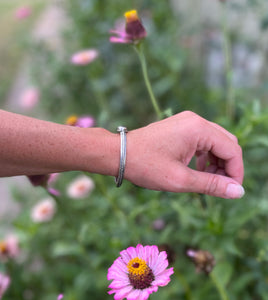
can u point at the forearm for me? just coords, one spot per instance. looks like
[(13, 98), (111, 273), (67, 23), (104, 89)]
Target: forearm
[(29, 146)]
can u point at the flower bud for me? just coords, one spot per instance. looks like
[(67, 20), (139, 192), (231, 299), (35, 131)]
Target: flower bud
[(204, 261), (134, 27)]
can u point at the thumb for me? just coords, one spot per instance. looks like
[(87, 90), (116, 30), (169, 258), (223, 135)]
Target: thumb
[(215, 185)]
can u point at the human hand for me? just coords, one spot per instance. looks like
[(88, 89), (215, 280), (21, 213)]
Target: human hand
[(158, 156)]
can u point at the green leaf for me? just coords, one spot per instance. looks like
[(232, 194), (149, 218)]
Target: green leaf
[(65, 249), (223, 271)]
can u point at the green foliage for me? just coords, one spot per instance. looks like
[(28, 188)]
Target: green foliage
[(71, 253)]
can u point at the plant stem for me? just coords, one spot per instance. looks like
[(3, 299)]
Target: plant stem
[(230, 96), (139, 50), (184, 283), (219, 287)]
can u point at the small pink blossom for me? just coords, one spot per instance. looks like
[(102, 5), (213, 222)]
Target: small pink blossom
[(43, 211), (81, 187), (86, 121), (60, 297), (46, 181), (84, 57), (23, 12), (29, 98), (9, 247), (138, 272), (4, 284)]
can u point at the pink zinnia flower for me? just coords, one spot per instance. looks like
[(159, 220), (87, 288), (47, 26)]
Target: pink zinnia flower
[(130, 32), (4, 284), (84, 57), (81, 187), (138, 272), (23, 12), (43, 211), (9, 247), (46, 181), (29, 98)]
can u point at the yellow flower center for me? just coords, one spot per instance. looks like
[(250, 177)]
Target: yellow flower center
[(139, 274), (3, 247), (71, 120), (137, 266), (131, 16)]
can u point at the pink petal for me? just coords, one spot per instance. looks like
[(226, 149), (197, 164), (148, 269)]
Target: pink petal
[(152, 289), (125, 256), (53, 192), (116, 274), (164, 278), (112, 292), (161, 281), (140, 252), (134, 295), (132, 252), (154, 256), (160, 259), (120, 33), (147, 250), (114, 39), (117, 284), (160, 267), (121, 265), (167, 272), (144, 294), (122, 293)]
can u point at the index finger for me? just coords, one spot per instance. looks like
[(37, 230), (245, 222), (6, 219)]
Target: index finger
[(226, 148)]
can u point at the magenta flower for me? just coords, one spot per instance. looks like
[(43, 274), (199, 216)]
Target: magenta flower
[(131, 32), (60, 297), (84, 57), (23, 12), (138, 272), (83, 121), (4, 284)]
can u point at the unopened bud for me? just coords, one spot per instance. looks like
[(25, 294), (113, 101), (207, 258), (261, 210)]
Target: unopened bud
[(204, 261)]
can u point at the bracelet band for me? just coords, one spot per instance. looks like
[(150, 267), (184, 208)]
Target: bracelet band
[(123, 153)]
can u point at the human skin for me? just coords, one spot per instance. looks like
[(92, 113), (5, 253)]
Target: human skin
[(157, 155)]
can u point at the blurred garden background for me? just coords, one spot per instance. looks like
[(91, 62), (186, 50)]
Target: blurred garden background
[(206, 56)]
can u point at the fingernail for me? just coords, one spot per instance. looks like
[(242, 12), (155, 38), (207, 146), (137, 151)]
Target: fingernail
[(234, 191)]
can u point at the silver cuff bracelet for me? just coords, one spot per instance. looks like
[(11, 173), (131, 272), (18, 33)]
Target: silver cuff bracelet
[(123, 153)]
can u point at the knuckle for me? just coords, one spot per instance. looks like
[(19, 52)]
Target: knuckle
[(188, 113), (212, 185), (235, 138), (199, 123)]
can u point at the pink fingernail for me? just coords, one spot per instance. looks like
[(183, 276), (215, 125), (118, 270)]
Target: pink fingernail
[(234, 191)]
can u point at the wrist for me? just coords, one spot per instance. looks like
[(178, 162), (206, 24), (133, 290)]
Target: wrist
[(99, 151)]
